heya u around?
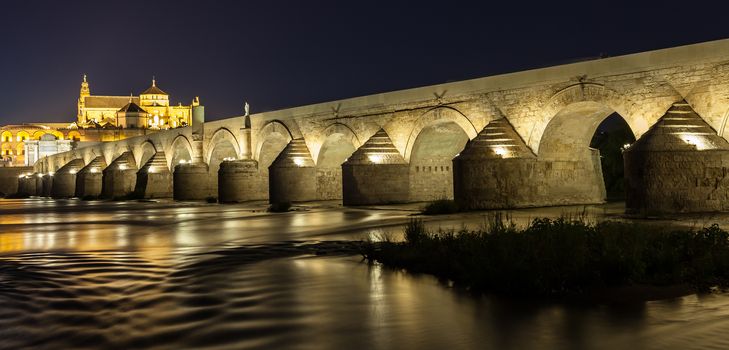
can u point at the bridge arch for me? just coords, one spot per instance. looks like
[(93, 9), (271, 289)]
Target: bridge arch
[(144, 152), (437, 137), (224, 142), (566, 147), (439, 115), (113, 152), (180, 150), (271, 135), (586, 99), (339, 142), (89, 154)]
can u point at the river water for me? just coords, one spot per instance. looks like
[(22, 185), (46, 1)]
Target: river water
[(131, 275)]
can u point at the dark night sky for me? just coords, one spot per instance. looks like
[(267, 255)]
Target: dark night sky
[(278, 54)]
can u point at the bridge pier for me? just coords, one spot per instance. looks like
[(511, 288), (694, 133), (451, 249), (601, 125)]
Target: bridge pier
[(496, 170), (64, 180), (154, 179), (376, 173), (89, 179), (47, 184), (292, 176), (26, 185), (120, 177), (191, 181), (240, 181), (680, 165)]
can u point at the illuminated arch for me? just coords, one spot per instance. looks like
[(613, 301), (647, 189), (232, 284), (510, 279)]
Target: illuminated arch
[(22, 136), (7, 150), (144, 152), (221, 136), (6, 136), (271, 128), (74, 136), (584, 94), (439, 115), (57, 134), (180, 145), (335, 133)]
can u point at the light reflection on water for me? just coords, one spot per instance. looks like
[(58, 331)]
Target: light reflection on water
[(170, 275)]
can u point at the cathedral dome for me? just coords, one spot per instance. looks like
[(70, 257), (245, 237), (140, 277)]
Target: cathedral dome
[(153, 90)]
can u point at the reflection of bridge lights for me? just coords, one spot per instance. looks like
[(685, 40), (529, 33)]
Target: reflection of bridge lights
[(375, 158), (72, 172), (40, 175), (697, 140), (298, 161)]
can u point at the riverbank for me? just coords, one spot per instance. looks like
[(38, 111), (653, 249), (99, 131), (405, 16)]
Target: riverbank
[(565, 257)]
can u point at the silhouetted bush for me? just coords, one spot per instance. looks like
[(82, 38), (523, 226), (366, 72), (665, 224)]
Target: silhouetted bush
[(279, 207), (562, 256), (440, 206)]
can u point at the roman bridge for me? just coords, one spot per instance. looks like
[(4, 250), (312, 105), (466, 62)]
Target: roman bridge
[(511, 140)]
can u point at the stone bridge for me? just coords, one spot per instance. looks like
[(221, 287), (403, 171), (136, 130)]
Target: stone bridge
[(511, 140)]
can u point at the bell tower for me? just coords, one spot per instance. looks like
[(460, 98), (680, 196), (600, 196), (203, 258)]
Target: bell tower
[(85, 92)]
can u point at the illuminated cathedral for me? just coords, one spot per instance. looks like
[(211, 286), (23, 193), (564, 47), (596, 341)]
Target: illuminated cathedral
[(150, 110), (99, 119)]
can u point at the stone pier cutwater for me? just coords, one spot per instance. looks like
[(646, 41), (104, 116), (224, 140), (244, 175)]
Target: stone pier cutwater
[(89, 180), (64, 180), (120, 177), (154, 179), (513, 140)]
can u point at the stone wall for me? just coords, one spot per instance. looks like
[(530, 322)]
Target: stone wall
[(329, 183), (677, 182), (366, 184), (526, 182)]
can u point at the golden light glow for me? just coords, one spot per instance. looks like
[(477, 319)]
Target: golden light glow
[(228, 159), (699, 141), (375, 158), (299, 161), (122, 167), (501, 152), (93, 170), (73, 171)]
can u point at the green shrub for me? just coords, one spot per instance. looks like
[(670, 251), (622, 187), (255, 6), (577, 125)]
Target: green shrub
[(440, 206), (562, 256)]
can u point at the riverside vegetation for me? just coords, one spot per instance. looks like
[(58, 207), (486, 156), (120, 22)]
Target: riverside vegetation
[(562, 256)]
